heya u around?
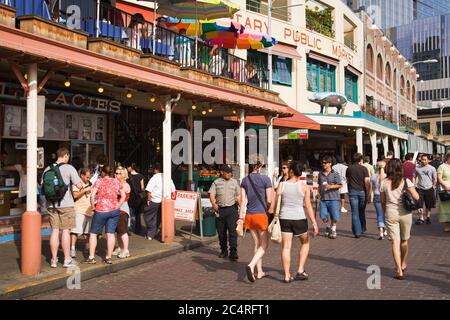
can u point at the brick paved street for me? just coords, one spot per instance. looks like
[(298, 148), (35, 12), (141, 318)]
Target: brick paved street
[(337, 270)]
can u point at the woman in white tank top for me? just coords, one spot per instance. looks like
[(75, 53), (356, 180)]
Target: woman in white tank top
[(295, 204)]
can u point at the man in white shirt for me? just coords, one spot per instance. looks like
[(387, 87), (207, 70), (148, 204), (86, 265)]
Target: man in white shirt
[(152, 210), (341, 168)]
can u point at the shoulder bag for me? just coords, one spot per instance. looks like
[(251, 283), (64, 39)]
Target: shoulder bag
[(274, 227), (409, 203)]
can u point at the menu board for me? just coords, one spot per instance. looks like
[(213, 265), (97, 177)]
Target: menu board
[(58, 125)]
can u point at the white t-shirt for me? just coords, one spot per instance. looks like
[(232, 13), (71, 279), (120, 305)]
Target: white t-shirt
[(342, 170), (22, 182), (394, 197), (155, 187)]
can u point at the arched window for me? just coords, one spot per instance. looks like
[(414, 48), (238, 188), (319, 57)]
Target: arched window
[(402, 85), (413, 94), (394, 80), (387, 77), (408, 90), (369, 58), (379, 67)]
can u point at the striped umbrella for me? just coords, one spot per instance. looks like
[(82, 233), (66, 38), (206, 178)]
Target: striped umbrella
[(251, 39), (197, 9), (209, 28)]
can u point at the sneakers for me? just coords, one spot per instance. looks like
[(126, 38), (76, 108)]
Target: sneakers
[(333, 234), (223, 254), (69, 263), (54, 263), (116, 252), (327, 231), (343, 210), (428, 221), (148, 238), (73, 253), (108, 260), (419, 222), (123, 255), (381, 236)]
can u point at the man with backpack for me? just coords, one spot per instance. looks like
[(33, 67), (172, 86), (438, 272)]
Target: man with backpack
[(56, 182)]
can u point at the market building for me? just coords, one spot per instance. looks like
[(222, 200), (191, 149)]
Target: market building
[(105, 92)]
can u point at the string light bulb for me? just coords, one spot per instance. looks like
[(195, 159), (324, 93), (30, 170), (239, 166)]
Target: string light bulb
[(25, 76), (129, 95), (203, 112), (67, 83), (152, 99), (100, 89), (210, 109), (234, 112), (194, 107)]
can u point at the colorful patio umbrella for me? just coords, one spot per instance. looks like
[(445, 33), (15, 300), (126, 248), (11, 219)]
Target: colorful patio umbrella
[(197, 9), (251, 39), (208, 28)]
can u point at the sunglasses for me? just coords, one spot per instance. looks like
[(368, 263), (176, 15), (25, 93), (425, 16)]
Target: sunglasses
[(326, 162), (118, 173)]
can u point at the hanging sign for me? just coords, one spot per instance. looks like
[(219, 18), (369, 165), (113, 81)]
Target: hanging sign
[(185, 205), (301, 134)]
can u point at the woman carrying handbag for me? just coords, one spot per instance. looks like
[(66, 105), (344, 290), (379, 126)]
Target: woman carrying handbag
[(292, 201)]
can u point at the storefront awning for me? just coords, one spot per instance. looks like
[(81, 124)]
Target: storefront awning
[(317, 56), (297, 121), (284, 51)]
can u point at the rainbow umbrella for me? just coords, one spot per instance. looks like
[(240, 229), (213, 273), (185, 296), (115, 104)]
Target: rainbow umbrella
[(209, 28), (251, 39), (197, 9)]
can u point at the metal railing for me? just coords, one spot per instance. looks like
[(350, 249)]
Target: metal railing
[(349, 43), (107, 22)]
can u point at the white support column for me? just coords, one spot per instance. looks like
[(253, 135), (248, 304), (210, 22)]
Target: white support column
[(385, 140), (190, 152), (270, 145), (396, 148), (373, 143), (167, 146), (241, 144), (359, 140), (32, 138)]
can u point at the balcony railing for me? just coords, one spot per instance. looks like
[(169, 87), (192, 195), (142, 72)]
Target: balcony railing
[(349, 43), (133, 31)]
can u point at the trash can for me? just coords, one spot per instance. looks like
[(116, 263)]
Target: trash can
[(208, 223)]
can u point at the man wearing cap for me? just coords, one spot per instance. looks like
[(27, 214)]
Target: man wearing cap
[(225, 197)]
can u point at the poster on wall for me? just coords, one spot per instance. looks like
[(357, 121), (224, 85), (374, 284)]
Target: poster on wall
[(58, 125), (13, 122)]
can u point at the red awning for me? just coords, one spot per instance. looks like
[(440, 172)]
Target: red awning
[(297, 121), (284, 51)]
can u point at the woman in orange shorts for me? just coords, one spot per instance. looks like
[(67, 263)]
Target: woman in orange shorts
[(257, 192)]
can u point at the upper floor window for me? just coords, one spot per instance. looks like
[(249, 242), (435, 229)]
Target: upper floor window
[(379, 67), (281, 66), (394, 79), (402, 85), (387, 78), (413, 94), (351, 87), (260, 6), (321, 76), (408, 90), (319, 18), (369, 58)]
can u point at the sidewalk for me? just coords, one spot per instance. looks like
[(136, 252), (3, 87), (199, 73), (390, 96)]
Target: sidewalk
[(14, 285)]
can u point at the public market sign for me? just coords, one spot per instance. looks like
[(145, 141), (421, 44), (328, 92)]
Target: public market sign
[(185, 205), (69, 100)]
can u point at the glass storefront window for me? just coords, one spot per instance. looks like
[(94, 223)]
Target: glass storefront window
[(322, 74)]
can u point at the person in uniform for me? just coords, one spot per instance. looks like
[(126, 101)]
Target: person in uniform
[(225, 198)]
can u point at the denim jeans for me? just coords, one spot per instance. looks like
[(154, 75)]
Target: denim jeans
[(358, 202), (379, 210)]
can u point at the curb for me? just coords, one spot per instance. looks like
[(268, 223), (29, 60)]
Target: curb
[(59, 281)]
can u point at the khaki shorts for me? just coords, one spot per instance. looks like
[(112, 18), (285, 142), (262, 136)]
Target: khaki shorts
[(82, 224), (398, 225), (62, 218)]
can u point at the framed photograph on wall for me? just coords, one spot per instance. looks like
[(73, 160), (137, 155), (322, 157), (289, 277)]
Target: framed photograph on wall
[(86, 135), (69, 121), (87, 123), (73, 134), (99, 136), (99, 123)]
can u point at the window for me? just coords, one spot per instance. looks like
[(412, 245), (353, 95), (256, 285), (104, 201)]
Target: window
[(425, 127), (379, 67), (445, 128), (281, 66), (394, 80), (369, 58), (351, 87), (408, 90), (321, 76), (282, 70), (413, 94), (402, 85), (387, 79)]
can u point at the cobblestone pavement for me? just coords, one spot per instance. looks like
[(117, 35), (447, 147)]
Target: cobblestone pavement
[(337, 268)]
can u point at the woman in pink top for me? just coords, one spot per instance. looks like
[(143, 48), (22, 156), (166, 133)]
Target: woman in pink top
[(106, 191)]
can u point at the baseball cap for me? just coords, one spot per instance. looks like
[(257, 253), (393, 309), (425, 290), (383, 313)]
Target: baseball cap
[(226, 168)]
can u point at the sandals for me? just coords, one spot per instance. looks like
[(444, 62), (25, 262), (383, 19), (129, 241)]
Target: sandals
[(399, 277), (264, 276), (302, 276), (250, 275), (291, 279), (419, 222)]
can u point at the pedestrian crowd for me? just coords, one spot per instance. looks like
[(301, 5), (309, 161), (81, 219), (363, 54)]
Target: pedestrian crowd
[(397, 189), (91, 202)]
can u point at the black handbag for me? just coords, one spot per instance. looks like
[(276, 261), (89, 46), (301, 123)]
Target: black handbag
[(409, 203), (444, 195)]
